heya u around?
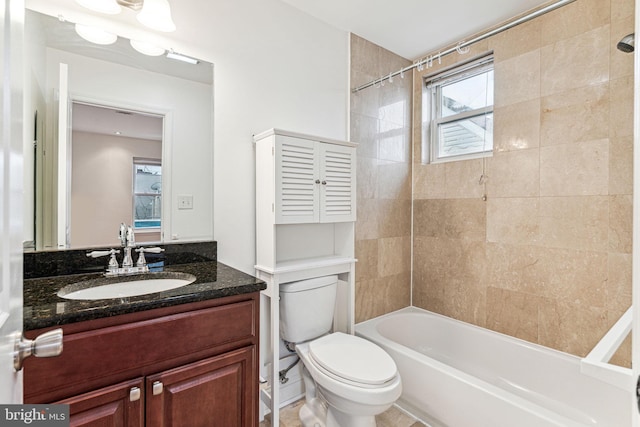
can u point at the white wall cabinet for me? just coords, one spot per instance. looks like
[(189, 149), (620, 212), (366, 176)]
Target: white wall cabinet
[(305, 228), (315, 181)]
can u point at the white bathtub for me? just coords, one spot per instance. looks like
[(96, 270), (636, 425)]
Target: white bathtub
[(459, 375)]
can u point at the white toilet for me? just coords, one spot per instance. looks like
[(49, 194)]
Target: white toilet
[(348, 380)]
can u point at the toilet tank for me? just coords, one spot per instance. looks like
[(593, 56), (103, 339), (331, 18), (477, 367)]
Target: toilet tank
[(306, 308)]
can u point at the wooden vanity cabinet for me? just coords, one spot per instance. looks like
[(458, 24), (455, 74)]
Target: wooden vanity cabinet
[(189, 365)]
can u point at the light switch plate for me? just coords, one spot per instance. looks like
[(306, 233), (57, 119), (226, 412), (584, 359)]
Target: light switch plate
[(185, 202)]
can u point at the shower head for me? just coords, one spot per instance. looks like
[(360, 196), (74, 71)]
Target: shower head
[(627, 44)]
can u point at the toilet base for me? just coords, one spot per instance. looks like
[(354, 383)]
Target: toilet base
[(313, 413)]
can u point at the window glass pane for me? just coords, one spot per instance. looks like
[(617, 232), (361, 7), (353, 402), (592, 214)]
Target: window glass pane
[(467, 136), (467, 94), (147, 211), (148, 179)]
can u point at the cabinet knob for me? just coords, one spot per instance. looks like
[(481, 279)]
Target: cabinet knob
[(324, 182), (317, 181), (157, 388), (134, 394)]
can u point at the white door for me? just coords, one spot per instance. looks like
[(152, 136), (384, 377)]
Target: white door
[(12, 15)]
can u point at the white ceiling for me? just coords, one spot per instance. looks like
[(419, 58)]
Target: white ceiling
[(411, 28)]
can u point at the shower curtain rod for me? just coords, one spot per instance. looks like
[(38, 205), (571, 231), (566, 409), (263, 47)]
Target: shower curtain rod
[(463, 44)]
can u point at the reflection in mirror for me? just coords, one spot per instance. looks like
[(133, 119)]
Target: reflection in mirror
[(68, 209), (116, 157)]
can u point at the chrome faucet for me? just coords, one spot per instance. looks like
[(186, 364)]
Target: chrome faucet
[(128, 242)]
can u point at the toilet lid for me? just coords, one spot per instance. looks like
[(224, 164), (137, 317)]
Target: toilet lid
[(353, 358)]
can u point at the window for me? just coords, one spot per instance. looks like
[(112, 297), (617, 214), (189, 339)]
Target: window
[(147, 194), (460, 112)]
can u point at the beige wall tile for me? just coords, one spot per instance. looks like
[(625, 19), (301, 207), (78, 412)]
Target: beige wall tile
[(619, 290), (394, 218), (394, 256), (513, 313), (573, 327), (367, 179), (621, 165), (429, 181), (517, 79), (367, 256), (514, 174), (462, 179), (429, 219), (569, 64), (575, 169), (367, 221), (517, 127), (465, 219), (621, 107), (575, 115), (621, 62), (574, 19), (394, 180), (564, 274), (620, 223), (466, 300), (574, 222), (622, 9), (365, 129), (513, 220), (517, 40)]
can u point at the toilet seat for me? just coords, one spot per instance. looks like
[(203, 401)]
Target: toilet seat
[(352, 360)]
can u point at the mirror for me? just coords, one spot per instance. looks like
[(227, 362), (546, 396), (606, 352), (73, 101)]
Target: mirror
[(76, 193)]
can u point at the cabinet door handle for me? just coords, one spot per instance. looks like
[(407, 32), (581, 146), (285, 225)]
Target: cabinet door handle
[(317, 181), (157, 388), (134, 394), (324, 182)]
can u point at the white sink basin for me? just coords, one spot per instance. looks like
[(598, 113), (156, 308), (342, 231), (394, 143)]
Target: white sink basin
[(123, 289)]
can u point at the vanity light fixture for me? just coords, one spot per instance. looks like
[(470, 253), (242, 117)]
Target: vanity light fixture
[(154, 14), (172, 55), (95, 35), (109, 7), (146, 48)]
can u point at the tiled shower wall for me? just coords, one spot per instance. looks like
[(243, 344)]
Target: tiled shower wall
[(381, 124), (547, 257)]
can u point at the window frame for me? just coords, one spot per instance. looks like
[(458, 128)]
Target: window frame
[(138, 161), (432, 99)]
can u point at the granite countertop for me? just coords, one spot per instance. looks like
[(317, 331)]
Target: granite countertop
[(44, 308)]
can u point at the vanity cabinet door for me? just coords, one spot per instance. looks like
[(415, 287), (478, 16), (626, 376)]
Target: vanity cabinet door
[(120, 405), (218, 391)]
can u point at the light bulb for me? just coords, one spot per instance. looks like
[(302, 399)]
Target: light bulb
[(156, 14), (95, 35), (146, 48)]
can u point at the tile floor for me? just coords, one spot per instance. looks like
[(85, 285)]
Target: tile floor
[(393, 417)]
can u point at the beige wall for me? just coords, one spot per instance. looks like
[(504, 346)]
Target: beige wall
[(547, 257), (381, 124), (102, 185)]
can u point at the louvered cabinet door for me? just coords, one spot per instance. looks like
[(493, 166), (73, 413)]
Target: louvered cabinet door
[(297, 181), (337, 190)]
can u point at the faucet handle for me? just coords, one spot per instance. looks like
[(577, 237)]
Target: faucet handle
[(97, 254), (141, 250)]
